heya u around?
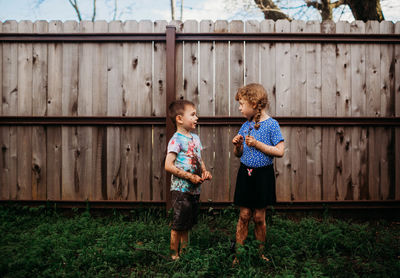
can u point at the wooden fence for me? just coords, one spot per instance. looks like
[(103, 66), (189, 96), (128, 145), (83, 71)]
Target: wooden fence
[(327, 80)]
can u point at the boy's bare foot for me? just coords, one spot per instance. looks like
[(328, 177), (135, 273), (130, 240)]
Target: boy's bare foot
[(175, 257), (235, 262)]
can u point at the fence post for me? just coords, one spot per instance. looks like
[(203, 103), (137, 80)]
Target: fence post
[(170, 96)]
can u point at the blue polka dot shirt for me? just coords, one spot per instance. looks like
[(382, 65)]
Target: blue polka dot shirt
[(268, 133)]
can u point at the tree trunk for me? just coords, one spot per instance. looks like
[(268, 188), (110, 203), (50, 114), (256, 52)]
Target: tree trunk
[(270, 10), (366, 9)]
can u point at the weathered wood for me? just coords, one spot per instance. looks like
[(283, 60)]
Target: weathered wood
[(298, 100), (283, 107), (397, 113), (206, 105), (159, 90), (54, 108), (358, 105), (71, 184), (24, 134), (220, 182), (98, 190), (236, 73), (179, 61), (343, 109), (328, 75), (372, 73), (39, 108), (252, 54), (114, 108), (313, 86)]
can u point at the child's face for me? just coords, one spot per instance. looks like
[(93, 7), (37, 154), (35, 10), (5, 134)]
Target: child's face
[(189, 118), (246, 109)]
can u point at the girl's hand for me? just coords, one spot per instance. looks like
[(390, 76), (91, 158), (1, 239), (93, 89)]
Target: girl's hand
[(206, 176), (195, 179), (251, 141), (237, 140)]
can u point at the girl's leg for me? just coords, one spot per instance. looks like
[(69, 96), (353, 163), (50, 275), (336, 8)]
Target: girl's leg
[(174, 245), (184, 239), (242, 227), (260, 229)]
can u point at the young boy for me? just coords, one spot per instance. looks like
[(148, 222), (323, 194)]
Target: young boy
[(188, 171)]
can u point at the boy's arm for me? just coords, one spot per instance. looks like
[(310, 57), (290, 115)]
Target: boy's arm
[(171, 168), (277, 150), (205, 175)]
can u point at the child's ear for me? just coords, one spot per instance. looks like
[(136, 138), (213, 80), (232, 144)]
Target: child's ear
[(178, 119)]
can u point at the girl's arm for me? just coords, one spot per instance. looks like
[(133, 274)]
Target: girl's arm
[(238, 145), (171, 168), (277, 150)]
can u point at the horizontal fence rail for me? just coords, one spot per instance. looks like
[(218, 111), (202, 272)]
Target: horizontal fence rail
[(219, 120), (202, 37)]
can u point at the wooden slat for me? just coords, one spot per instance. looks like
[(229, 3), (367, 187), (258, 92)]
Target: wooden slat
[(283, 108), (397, 113), (313, 70), (358, 105), (298, 100), (159, 90), (372, 73), (343, 109), (206, 106), (236, 76), (387, 94), (85, 108), (54, 108), (39, 108), (252, 52), (328, 75), (24, 134), (179, 61), (70, 151), (114, 108), (98, 190)]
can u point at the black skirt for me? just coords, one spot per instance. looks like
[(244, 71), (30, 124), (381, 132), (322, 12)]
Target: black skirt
[(255, 187)]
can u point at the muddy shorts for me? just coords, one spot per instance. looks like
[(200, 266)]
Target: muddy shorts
[(186, 208)]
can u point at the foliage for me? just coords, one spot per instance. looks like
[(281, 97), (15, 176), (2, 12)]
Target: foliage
[(41, 242)]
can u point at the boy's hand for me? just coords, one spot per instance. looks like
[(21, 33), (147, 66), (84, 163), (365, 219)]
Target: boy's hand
[(206, 176), (237, 140), (251, 141), (195, 179)]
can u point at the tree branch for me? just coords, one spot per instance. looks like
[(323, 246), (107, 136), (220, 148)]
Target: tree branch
[(271, 10), (94, 10), (337, 4), (75, 6), (115, 10)]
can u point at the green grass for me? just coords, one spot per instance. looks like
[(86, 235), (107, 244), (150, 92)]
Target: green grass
[(39, 242)]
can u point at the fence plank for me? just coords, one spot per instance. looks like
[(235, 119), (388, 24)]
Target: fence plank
[(397, 113), (206, 105), (358, 103), (372, 73), (24, 134), (39, 108), (313, 86), (252, 55), (343, 109), (4, 190), (298, 100), (98, 190), (179, 61), (70, 153), (236, 74), (114, 108), (220, 182), (283, 108), (387, 91), (159, 109), (54, 106)]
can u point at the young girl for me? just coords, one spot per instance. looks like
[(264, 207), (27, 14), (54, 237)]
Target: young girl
[(259, 140)]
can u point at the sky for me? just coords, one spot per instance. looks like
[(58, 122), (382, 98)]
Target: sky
[(160, 10)]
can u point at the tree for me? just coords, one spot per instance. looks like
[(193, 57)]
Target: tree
[(280, 9)]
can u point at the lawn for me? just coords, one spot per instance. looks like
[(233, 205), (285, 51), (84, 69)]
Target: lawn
[(44, 242)]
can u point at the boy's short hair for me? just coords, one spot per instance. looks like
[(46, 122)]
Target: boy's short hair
[(177, 107)]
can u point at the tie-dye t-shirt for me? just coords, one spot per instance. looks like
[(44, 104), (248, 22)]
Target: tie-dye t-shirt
[(188, 158), (268, 133)]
